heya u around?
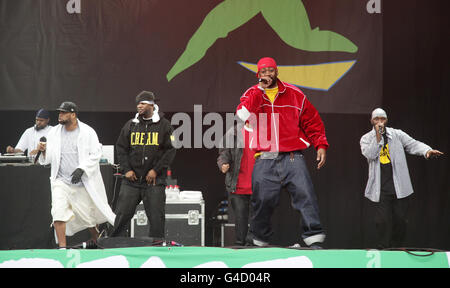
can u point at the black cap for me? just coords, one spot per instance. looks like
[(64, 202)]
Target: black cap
[(42, 113), (145, 96), (68, 107)]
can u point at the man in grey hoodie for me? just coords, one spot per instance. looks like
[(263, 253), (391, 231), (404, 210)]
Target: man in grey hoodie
[(389, 183)]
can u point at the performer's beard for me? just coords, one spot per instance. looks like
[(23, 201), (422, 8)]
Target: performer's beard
[(37, 127), (145, 113), (65, 122), (274, 82)]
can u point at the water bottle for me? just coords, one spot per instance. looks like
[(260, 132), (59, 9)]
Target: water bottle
[(169, 179)]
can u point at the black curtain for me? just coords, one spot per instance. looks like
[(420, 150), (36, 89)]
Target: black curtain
[(416, 94)]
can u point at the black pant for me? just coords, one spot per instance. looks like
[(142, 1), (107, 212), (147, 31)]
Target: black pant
[(242, 211), (131, 194), (391, 221)]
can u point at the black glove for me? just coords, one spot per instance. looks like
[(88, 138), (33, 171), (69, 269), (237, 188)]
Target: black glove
[(76, 175)]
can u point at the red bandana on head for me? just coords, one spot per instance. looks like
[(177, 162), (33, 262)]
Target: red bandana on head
[(266, 62)]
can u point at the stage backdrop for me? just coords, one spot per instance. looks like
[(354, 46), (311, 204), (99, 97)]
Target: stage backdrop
[(100, 54), (104, 55)]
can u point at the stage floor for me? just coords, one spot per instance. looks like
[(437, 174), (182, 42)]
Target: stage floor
[(214, 257)]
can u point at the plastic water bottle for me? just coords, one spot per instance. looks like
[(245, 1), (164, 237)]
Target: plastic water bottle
[(169, 179), (176, 189)]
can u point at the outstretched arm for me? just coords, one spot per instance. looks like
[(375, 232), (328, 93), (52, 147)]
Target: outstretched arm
[(433, 154)]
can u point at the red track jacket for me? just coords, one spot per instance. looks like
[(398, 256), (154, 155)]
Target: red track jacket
[(288, 124)]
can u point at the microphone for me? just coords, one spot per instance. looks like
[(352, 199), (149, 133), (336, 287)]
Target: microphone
[(262, 80), (381, 130), (44, 140)]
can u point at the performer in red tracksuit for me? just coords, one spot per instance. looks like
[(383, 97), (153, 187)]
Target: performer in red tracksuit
[(286, 123)]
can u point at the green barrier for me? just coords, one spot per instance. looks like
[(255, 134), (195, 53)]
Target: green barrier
[(204, 257)]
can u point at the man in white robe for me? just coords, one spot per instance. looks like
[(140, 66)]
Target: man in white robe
[(78, 194)]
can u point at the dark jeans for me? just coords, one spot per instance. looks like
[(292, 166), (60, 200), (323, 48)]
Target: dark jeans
[(269, 176), (154, 199), (242, 211), (390, 221)]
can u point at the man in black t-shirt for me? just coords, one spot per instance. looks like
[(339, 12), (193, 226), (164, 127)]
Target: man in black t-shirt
[(389, 185)]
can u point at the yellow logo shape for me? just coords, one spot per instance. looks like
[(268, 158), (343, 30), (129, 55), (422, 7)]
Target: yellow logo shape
[(318, 76)]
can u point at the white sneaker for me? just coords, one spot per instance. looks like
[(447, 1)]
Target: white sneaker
[(260, 243)]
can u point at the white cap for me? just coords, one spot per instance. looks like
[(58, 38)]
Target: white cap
[(379, 113)]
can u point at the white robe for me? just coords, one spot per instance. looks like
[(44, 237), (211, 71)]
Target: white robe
[(89, 153)]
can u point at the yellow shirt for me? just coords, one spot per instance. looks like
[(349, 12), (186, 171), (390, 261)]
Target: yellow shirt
[(271, 93), (385, 157)]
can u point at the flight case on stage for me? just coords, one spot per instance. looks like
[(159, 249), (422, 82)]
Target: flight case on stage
[(185, 222)]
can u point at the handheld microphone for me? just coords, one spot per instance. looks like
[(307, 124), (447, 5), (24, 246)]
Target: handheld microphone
[(262, 80), (381, 130), (44, 140)]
